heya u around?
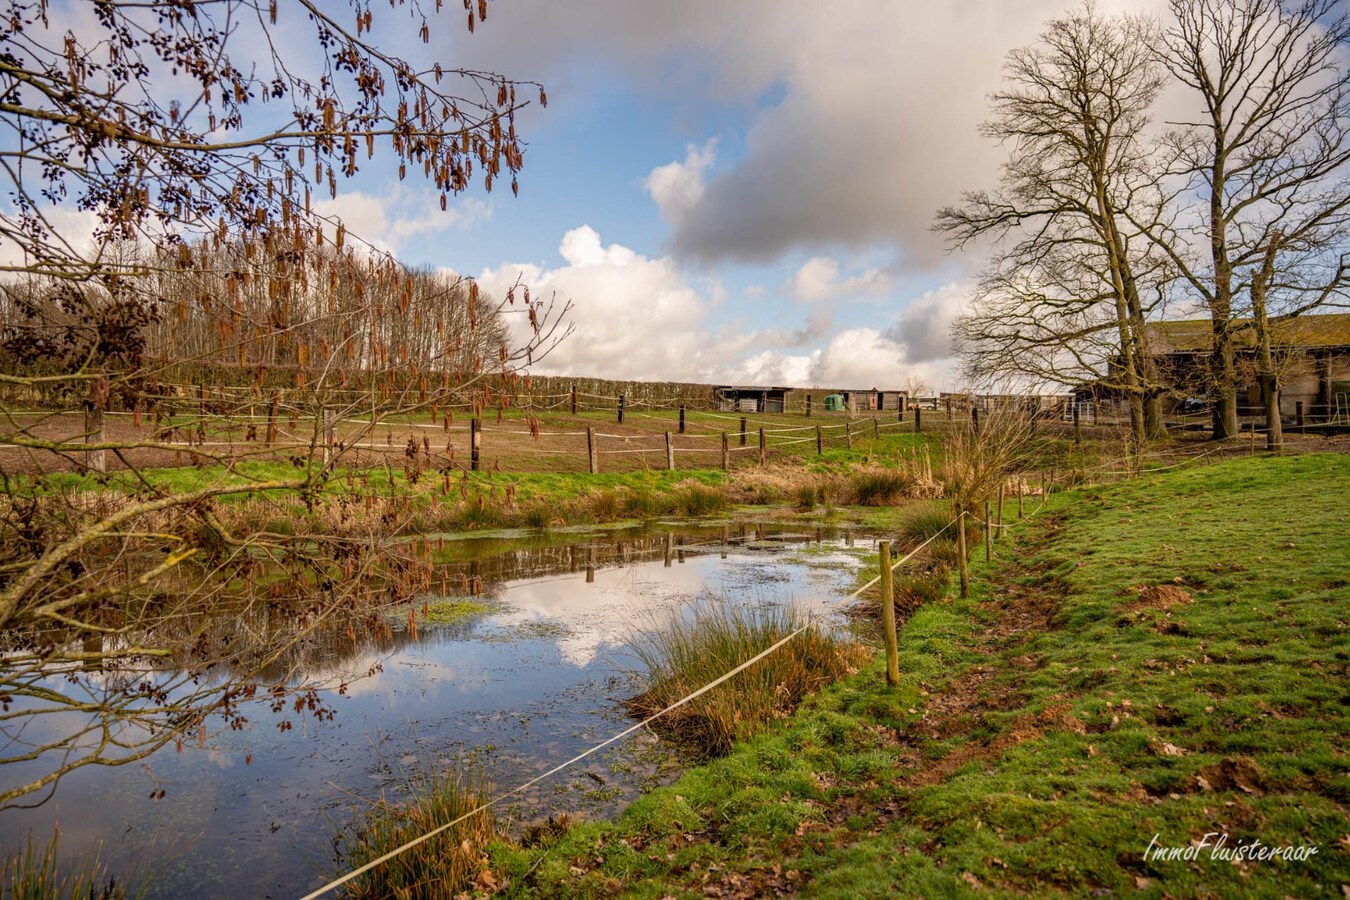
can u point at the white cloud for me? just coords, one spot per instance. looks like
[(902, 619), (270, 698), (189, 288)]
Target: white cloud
[(635, 317), (819, 278), (71, 231), (677, 187), (641, 318), (388, 222)]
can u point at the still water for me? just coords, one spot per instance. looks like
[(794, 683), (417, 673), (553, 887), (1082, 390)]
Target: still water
[(514, 690)]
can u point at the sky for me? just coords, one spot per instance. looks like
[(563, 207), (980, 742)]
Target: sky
[(727, 191)]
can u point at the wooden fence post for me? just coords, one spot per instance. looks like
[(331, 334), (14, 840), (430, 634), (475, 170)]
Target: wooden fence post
[(94, 460), (726, 452), (808, 406), (742, 431), (820, 446), (876, 429), (670, 454), (1021, 489), (999, 534), (681, 418), (329, 438), (272, 419), (475, 443), (918, 419), (1077, 426), (763, 449), (961, 555), (574, 399), (621, 409), (848, 434), (975, 418), (590, 450), (888, 616), (988, 533), (1298, 413)]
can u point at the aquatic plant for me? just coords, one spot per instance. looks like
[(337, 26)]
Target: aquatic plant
[(34, 873), (441, 866), (688, 650)]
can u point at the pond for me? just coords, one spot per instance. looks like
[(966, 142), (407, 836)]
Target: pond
[(531, 678)]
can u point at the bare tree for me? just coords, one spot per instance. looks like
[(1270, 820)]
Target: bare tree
[(1066, 293), (160, 163), (1264, 196)]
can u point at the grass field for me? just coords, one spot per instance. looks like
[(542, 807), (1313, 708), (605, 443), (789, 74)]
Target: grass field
[(520, 441), (1141, 666)]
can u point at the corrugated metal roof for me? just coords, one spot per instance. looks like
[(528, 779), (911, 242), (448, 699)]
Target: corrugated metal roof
[(1197, 335)]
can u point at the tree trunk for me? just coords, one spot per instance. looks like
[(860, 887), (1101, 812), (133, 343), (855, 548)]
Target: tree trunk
[(1265, 361), (1270, 397), (1155, 424)]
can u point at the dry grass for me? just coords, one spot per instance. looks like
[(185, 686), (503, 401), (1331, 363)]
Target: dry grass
[(976, 463)]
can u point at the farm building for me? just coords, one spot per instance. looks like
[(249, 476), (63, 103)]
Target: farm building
[(744, 398), (874, 399), (1313, 360)]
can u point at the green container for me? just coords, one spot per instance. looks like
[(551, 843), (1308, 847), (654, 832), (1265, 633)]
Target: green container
[(834, 403)]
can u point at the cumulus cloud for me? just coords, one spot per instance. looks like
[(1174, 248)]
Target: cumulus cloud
[(677, 187), (642, 318), (819, 278), (632, 314), (925, 326)]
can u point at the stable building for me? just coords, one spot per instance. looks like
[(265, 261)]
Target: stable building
[(1312, 355), (751, 399), (875, 400)]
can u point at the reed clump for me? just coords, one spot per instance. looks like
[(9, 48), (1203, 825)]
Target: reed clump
[(690, 649), (447, 864), (35, 873)]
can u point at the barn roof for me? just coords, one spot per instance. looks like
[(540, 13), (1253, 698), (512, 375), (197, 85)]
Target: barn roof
[(750, 387), (1196, 335)]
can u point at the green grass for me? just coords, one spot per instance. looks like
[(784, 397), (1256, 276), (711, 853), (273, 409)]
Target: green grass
[(1048, 728)]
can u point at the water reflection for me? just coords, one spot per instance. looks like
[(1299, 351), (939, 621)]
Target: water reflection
[(527, 684)]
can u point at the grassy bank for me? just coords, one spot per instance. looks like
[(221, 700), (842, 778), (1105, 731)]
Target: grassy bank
[(1151, 662)]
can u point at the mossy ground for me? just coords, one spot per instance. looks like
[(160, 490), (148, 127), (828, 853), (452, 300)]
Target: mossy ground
[(1163, 657)]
